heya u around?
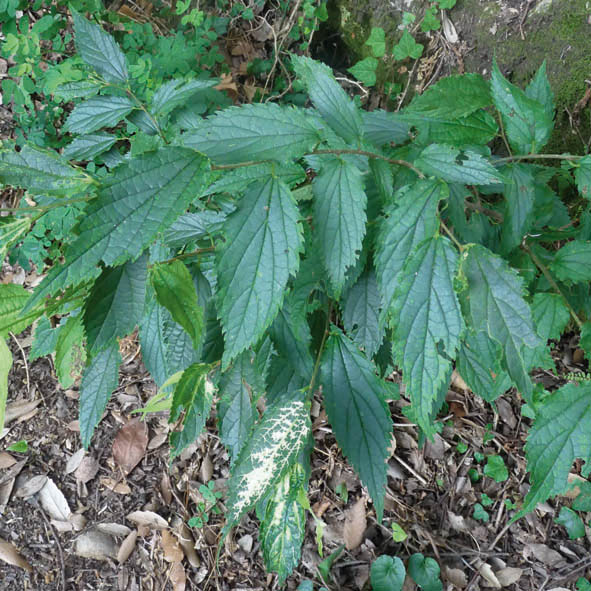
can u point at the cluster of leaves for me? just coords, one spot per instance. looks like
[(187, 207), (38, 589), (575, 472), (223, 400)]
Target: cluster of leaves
[(267, 250)]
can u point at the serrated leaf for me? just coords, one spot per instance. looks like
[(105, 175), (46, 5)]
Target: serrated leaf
[(254, 132), (457, 166), (339, 214), (193, 226), (377, 41), (550, 315), (99, 50), (410, 219), (97, 112), (365, 71), (177, 92), (479, 364), (79, 89), (585, 340), (115, 304), (558, 436), (194, 395), (271, 449), (283, 527), (45, 339), (427, 324), (407, 47), (13, 298), (39, 172), (5, 365), (452, 97), (361, 313), (263, 240), (496, 305), (540, 91), (139, 200), (572, 262), (86, 147), (283, 380), (354, 398), (100, 379), (527, 123), (381, 127), (583, 176), (336, 108), (519, 192), (387, 574), (174, 290), (70, 355)]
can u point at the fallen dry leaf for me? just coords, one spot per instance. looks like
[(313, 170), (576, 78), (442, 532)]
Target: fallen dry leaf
[(355, 524), (487, 574), (114, 529), (32, 486), (96, 544), (6, 460), (187, 542), (10, 555), (177, 577), (130, 445), (87, 469), (121, 488), (171, 547), (53, 501), (456, 577), (19, 409), (509, 576), (543, 553), (74, 460), (149, 519), (127, 547)]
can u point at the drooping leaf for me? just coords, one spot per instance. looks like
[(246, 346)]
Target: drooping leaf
[(193, 394), (139, 200), (496, 305), (177, 92), (387, 573), (263, 240), (583, 176), (100, 379), (453, 97), (410, 219), (336, 108), (174, 290), (99, 50), (283, 527), (427, 324), (361, 313), (519, 195), (381, 127), (572, 262), (5, 365), (115, 304), (13, 298), (339, 214), (559, 435), (254, 132), (97, 112), (540, 91), (79, 89), (45, 339), (269, 452), (70, 355), (457, 166), (526, 121), (354, 397), (88, 146)]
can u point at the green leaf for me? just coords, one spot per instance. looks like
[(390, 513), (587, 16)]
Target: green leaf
[(45, 339), (20, 447), (194, 395), (283, 527), (263, 241), (80, 89), (540, 91), (430, 20), (139, 200), (424, 572), (254, 132), (365, 71), (336, 108), (452, 97), (583, 500), (12, 301), (377, 42), (100, 379), (427, 324), (496, 306), (559, 435), (361, 313), (527, 124), (495, 468), (550, 315), (410, 219), (339, 213), (174, 93), (407, 47), (571, 262), (354, 398), (11, 230), (479, 364), (191, 227), (39, 172), (583, 176), (264, 459), (480, 514), (381, 127), (585, 341), (519, 192), (70, 355), (457, 166), (99, 50), (174, 290), (387, 574), (88, 146), (115, 304), (5, 365), (572, 522), (97, 112)]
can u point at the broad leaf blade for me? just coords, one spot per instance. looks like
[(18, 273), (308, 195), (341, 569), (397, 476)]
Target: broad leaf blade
[(193, 226), (550, 315), (519, 194), (583, 176), (572, 262), (263, 240), (13, 299), (426, 317), (382, 127), (339, 213), (97, 112), (354, 397), (45, 339), (70, 355), (387, 574), (540, 91), (88, 146), (5, 365), (177, 92)]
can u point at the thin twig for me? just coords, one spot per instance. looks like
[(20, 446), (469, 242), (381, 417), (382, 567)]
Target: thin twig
[(413, 472), (24, 360), (60, 552)]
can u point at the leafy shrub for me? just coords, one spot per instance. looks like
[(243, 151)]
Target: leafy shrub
[(268, 250)]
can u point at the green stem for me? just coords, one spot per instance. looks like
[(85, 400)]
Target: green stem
[(310, 387), (186, 255), (499, 161), (452, 237), (546, 272), (148, 114)]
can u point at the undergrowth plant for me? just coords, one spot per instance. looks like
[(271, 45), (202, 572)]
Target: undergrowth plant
[(270, 254)]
